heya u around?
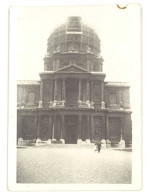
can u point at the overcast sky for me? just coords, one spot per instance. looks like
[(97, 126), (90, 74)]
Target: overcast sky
[(118, 29)]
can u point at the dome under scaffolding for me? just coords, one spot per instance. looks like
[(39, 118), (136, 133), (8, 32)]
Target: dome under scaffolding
[(72, 41)]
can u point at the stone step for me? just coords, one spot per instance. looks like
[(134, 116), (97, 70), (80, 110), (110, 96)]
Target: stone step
[(91, 145)]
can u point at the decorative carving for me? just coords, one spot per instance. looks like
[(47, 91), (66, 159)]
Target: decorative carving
[(72, 68), (57, 103), (102, 105), (122, 144), (79, 141), (62, 141), (85, 104), (88, 141), (38, 142)]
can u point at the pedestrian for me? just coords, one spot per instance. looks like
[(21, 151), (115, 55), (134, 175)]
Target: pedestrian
[(95, 147), (99, 146)]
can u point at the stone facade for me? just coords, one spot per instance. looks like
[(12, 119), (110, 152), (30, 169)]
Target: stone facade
[(72, 103)]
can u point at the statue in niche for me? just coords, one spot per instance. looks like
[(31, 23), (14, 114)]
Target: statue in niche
[(89, 49)]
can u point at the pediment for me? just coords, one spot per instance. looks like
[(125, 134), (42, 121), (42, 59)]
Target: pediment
[(72, 69)]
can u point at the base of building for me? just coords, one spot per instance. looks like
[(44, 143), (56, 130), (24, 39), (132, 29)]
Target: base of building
[(49, 141), (38, 142), (105, 143), (20, 142), (108, 144), (88, 141), (62, 141), (79, 141), (122, 144)]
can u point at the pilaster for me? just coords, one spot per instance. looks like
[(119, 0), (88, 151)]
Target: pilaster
[(55, 128), (38, 140), (63, 90), (41, 95), (80, 89), (79, 141), (122, 142), (55, 90), (102, 96), (62, 129), (108, 143), (87, 94), (92, 128), (87, 129)]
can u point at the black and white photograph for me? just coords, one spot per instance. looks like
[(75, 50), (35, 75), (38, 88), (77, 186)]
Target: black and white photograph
[(75, 97)]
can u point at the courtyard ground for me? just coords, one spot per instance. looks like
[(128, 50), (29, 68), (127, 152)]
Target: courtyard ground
[(73, 165)]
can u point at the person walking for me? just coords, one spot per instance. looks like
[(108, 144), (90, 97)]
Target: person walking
[(99, 146), (95, 147)]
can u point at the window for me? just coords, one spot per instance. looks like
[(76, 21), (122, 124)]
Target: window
[(112, 98), (31, 97)]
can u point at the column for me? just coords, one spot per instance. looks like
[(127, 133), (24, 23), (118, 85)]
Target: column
[(102, 96), (19, 126), (62, 129), (38, 140), (122, 142), (54, 64), (41, 95), (36, 125), (87, 92), (79, 141), (103, 128), (88, 129), (91, 91), (54, 133), (108, 143), (120, 99), (92, 128), (20, 129), (88, 64), (103, 141), (55, 90), (49, 130), (24, 97), (63, 91), (80, 89), (58, 128), (51, 94)]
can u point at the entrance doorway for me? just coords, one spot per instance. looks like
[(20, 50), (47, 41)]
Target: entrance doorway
[(71, 129)]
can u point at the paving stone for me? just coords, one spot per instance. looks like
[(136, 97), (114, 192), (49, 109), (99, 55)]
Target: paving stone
[(73, 165)]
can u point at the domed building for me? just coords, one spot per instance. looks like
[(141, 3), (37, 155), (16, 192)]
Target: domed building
[(72, 104)]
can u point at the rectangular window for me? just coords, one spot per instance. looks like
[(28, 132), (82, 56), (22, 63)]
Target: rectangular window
[(31, 97), (112, 98)]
